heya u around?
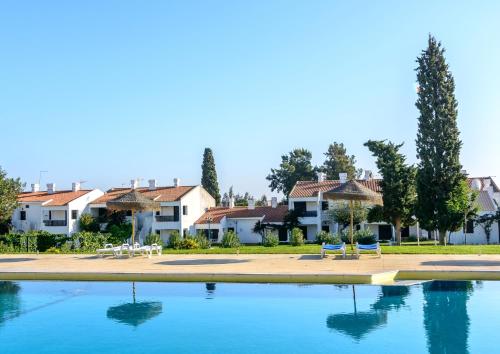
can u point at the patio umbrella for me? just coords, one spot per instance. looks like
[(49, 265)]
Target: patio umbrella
[(133, 201), (353, 191), (135, 313), (357, 324)]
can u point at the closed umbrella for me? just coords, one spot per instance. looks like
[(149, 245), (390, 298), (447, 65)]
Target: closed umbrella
[(353, 191), (133, 201)]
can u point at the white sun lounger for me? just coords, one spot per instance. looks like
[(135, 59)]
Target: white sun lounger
[(150, 249), (328, 247), (374, 247), (110, 249)]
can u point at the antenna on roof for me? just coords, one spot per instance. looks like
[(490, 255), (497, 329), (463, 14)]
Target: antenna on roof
[(40, 176)]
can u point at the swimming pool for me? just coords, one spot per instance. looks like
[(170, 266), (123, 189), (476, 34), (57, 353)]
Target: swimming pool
[(120, 317)]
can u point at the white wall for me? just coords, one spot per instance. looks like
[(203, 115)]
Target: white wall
[(198, 200)]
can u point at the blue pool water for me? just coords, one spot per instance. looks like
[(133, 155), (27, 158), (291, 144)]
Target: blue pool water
[(102, 317)]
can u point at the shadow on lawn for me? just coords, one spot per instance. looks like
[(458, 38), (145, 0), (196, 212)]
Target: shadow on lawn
[(465, 262), (14, 260), (203, 261)]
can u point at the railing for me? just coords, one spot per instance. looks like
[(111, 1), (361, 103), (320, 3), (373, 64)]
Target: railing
[(311, 213), (55, 222), (166, 218)]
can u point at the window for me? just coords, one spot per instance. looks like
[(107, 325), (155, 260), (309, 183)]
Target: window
[(469, 227), (157, 213), (23, 215), (128, 213), (184, 210), (74, 214), (27, 206), (157, 232), (324, 205), (325, 228)]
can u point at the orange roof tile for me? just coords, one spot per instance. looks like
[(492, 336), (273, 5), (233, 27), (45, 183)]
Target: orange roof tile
[(57, 198), (305, 189), (269, 214), (160, 194)]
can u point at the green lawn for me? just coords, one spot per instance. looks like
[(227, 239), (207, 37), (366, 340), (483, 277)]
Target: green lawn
[(408, 248)]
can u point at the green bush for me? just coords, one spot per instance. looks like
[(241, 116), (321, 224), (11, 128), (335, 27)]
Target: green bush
[(119, 233), (327, 237), (153, 238), (363, 237), (175, 240), (54, 250), (297, 237), (189, 243), (412, 238), (202, 240), (89, 241), (89, 223), (230, 240), (270, 240), (45, 240)]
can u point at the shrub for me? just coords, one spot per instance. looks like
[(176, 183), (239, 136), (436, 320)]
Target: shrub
[(202, 240), (119, 233), (230, 240), (297, 237), (175, 240), (53, 250), (412, 238), (189, 243), (327, 238), (89, 241), (270, 240), (45, 240), (363, 237), (153, 238), (89, 223)]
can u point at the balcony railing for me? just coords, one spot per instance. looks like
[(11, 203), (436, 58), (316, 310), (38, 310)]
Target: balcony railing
[(166, 218), (55, 222), (309, 213)]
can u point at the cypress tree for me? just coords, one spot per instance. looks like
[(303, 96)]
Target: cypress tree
[(398, 184), (209, 175), (439, 177)]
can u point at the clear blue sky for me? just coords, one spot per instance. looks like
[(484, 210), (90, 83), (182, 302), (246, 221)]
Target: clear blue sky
[(105, 91)]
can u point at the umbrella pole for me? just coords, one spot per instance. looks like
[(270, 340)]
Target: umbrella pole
[(351, 229), (133, 227)]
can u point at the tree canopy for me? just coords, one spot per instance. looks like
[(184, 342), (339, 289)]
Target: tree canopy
[(9, 189), (296, 166), (338, 161), (439, 177), (397, 184), (209, 175)]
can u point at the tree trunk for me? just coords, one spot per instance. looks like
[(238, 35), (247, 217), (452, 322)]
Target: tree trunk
[(442, 237), (398, 231)]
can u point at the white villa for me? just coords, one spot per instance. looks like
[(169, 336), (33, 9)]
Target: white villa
[(180, 207), (307, 197), (54, 211), (216, 221)]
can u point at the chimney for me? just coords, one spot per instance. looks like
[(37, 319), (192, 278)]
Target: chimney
[(75, 186), (251, 203), (464, 172), (35, 187), (321, 176), (231, 202), (51, 188), (274, 202), (177, 182), (368, 175), (488, 187), (134, 183), (152, 184), (343, 177)]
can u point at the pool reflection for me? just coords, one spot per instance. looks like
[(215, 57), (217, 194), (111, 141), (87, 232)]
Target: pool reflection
[(10, 303), (136, 312)]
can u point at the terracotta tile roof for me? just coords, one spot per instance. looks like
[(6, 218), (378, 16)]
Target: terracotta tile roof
[(58, 198), (485, 202), (305, 189), (162, 194), (269, 214)]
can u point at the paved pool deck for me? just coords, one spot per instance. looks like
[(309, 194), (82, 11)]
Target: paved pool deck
[(288, 268)]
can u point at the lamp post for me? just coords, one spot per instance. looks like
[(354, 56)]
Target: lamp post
[(209, 219)]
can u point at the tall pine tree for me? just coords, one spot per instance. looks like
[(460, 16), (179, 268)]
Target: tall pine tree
[(209, 175), (439, 177), (338, 161), (398, 184)]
